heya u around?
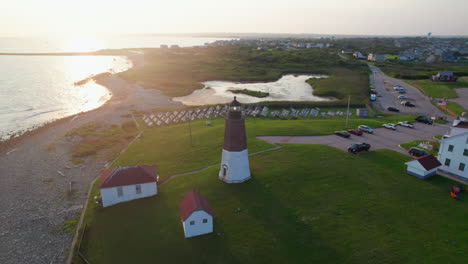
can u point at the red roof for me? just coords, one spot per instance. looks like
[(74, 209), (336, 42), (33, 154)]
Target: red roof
[(462, 124), (192, 202), (127, 175), (429, 162)]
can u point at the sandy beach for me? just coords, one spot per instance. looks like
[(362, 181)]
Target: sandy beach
[(34, 182)]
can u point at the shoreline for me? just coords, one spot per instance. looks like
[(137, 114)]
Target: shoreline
[(100, 79)]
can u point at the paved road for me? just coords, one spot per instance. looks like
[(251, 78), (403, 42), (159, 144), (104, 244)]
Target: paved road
[(462, 97), (381, 138), (389, 97)]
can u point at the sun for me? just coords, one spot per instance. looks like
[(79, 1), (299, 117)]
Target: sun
[(83, 44)]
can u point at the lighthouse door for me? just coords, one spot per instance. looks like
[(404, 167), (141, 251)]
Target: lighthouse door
[(224, 171)]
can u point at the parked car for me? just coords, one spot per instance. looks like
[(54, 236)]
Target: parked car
[(366, 129), (393, 109), (397, 87), (417, 152), (373, 97), (424, 119), (355, 132), (409, 104), (373, 91), (401, 91), (402, 97), (390, 126), (356, 148), (342, 134), (406, 124)]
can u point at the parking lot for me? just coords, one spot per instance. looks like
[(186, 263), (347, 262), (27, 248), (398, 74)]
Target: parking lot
[(381, 138), (389, 97)]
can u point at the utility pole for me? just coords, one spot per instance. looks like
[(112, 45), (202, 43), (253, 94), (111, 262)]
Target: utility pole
[(190, 128), (347, 111)]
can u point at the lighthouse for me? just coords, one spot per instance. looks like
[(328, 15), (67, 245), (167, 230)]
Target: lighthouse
[(235, 158)]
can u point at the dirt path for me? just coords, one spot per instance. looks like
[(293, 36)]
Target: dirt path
[(34, 182)]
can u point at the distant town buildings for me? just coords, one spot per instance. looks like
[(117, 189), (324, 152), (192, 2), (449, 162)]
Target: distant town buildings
[(127, 183), (444, 77), (376, 57), (358, 55)]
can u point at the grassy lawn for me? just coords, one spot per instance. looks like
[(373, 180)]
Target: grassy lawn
[(438, 89), (251, 93), (295, 209), (169, 147), (452, 106), (415, 143)]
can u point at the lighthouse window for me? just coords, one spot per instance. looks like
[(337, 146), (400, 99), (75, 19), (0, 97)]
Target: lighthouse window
[(192, 222), (205, 221)]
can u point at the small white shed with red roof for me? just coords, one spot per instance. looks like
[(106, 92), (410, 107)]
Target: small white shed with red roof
[(423, 167), (196, 215), (127, 183)]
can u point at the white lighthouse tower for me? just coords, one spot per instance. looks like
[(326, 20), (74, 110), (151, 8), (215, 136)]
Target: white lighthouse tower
[(235, 159)]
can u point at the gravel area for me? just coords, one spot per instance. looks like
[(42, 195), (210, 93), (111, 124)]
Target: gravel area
[(34, 183)]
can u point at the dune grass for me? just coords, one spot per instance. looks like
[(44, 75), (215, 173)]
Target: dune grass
[(304, 204)]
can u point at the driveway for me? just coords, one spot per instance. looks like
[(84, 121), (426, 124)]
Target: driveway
[(381, 138), (389, 97)]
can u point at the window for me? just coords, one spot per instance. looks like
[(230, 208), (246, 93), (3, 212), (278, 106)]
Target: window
[(450, 148), (119, 191), (465, 152), (205, 221), (461, 166), (138, 188), (192, 222), (447, 162)]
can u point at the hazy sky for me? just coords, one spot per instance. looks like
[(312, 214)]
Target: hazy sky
[(383, 17)]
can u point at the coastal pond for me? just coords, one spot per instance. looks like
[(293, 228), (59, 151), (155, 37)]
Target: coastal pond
[(287, 88)]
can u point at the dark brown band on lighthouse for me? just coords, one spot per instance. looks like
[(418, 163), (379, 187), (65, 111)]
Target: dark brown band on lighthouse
[(235, 138)]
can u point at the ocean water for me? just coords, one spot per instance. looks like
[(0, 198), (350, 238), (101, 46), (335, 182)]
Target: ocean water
[(38, 89)]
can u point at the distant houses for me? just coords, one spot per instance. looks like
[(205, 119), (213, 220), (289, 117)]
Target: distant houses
[(358, 55), (127, 183), (444, 77), (376, 57), (346, 52), (196, 215), (453, 154), (423, 167), (407, 56)]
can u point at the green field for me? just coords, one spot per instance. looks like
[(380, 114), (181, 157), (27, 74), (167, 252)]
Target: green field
[(170, 150), (412, 70), (304, 204), (452, 106), (438, 89)]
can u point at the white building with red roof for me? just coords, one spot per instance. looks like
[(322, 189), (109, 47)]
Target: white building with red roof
[(196, 215), (127, 183), (459, 126), (423, 167)]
